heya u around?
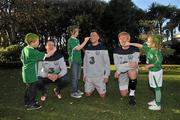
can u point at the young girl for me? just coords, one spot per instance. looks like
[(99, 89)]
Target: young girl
[(154, 60)]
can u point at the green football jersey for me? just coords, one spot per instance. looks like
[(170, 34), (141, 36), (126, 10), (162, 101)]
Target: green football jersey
[(74, 55), (153, 56), (29, 58)]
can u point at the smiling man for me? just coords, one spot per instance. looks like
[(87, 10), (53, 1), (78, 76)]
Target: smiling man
[(96, 66), (126, 60)]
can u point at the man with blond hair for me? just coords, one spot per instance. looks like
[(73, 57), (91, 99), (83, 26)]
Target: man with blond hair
[(126, 60)]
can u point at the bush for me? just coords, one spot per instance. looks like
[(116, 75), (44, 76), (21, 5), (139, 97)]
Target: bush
[(3, 55), (10, 53)]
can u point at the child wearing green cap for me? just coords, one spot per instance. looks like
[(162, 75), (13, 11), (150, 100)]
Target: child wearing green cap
[(29, 58), (154, 60)]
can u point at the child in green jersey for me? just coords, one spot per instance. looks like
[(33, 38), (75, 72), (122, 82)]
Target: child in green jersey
[(154, 60), (75, 60), (29, 58)]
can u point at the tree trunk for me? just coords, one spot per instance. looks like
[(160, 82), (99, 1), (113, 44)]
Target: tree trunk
[(172, 34), (160, 25), (12, 33)]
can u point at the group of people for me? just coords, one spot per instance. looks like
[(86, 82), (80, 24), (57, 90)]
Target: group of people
[(40, 68)]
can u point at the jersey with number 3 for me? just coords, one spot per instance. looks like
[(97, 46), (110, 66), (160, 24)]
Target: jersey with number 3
[(96, 61)]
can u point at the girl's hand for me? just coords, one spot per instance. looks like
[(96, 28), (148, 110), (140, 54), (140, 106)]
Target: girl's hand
[(146, 67), (127, 43)]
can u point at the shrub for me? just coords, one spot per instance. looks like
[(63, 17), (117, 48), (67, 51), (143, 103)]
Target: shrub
[(10, 53)]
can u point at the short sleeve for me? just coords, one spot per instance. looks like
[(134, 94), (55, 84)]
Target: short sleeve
[(145, 47), (73, 44), (37, 55)]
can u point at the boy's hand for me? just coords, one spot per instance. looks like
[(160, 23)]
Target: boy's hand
[(116, 75), (86, 39), (50, 53), (105, 80)]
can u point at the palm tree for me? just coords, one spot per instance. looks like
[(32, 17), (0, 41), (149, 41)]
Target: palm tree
[(158, 13), (174, 21)]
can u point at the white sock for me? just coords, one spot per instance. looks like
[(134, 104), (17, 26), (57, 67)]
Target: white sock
[(131, 93)]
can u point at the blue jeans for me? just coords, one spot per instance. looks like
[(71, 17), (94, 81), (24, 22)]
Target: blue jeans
[(75, 76)]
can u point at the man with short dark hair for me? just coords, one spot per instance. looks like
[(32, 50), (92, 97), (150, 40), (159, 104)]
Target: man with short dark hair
[(52, 70)]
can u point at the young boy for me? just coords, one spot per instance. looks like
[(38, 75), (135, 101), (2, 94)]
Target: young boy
[(154, 60), (126, 60), (74, 51), (96, 66), (29, 58)]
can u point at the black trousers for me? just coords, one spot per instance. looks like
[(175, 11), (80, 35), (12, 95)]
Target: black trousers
[(30, 93), (61, 83)]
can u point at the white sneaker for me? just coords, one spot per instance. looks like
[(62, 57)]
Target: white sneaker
[(76, 95), (43, 98), (81, 93), (154, 107), (151, 103)]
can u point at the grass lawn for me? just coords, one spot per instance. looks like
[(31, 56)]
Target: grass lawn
[(113, 107)]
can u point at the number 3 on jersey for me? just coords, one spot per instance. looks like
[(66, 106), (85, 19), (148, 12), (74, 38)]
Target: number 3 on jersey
[(92, 61)]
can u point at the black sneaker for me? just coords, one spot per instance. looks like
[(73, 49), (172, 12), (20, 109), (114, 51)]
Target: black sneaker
[(34, 107), (132, 100), (26, 104)]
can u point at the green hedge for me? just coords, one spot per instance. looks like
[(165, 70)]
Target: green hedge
[(10, 53)]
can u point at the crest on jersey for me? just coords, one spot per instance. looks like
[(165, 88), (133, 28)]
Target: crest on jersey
[(130, 57), (51, 70), (97, 52), (56, 63), (151, 56)]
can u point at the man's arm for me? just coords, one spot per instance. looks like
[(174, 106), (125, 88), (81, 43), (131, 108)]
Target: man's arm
[(85, 66), (107, 64), (63, 67)]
